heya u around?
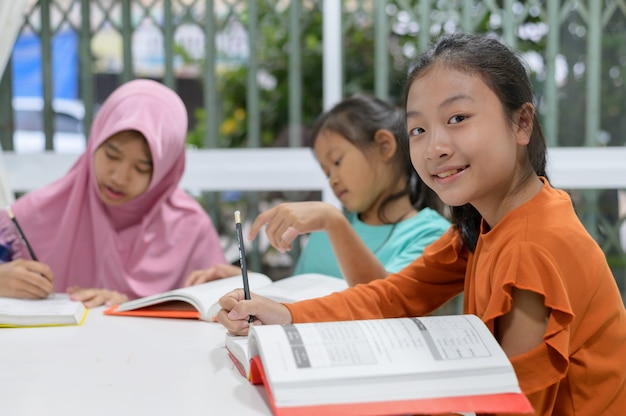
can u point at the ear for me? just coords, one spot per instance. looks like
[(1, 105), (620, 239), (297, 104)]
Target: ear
[(386, 144), (524, 123)]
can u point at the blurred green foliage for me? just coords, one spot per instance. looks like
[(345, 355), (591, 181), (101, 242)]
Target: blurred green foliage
[(272, 54)]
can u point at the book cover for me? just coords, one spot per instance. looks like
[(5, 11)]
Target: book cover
[(437, 364)]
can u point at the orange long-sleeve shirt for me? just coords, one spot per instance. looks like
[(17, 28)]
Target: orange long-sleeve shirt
[(580, 368)]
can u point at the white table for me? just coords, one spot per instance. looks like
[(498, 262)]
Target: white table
[(113, 365)]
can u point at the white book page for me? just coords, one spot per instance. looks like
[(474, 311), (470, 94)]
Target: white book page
[(301, 287), (201, 296), (238, 347), (376, 351), (293, 289)]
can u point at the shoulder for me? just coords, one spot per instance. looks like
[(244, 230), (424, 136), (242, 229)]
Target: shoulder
[(548, 220), (447, 249), (183, 215), (182, 200), (186, 208), (550, 197)]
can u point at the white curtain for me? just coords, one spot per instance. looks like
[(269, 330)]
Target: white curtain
[(11, 17)]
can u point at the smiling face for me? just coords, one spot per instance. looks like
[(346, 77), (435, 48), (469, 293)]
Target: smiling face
[(462, 145), (123, 167)]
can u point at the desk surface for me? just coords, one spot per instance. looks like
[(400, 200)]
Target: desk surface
[(113, 365)]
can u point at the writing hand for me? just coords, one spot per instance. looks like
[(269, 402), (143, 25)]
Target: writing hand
[(26, 279), (236, 310), (219, 271), (96, 297)]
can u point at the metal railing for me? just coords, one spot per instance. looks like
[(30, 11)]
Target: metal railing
[(251, 71)]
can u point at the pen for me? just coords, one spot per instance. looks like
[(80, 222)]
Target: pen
[(242, 260), (22, 235)]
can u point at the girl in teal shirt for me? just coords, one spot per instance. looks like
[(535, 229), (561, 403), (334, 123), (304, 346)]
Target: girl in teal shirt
[(389, 214), (394, 245)]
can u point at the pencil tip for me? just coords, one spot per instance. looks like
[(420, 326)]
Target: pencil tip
[(237, 217)]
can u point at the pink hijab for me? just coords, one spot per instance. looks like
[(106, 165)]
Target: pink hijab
[(145, 246)]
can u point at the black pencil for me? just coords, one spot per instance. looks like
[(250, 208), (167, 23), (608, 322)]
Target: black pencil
[(242, 260), (22, 235)]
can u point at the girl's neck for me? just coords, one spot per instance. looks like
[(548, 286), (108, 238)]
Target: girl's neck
[(506, 204), (394, 213)]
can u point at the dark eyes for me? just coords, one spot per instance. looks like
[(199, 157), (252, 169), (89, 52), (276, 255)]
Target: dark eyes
[(416, 131), (333, 162), (143, 171), (111, 155), (115, 157), (453, 120), (457, 119)]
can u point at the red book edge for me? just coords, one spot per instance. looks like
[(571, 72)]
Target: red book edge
[(153, 312), (242, 370), (488, 403)]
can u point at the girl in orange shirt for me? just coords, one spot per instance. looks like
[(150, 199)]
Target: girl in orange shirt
[(517, 250)]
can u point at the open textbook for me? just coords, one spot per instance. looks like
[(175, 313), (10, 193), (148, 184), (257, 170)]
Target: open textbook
[(200, 301), (56, 309), (434, 364)]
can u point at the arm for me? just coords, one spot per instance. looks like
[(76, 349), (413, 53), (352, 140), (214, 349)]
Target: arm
[(417, 290), (523, 327), (20, 278), (531, 312), (286, 221), (357, 263)]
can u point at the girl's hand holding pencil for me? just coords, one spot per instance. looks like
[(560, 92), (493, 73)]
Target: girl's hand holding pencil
[(237, 308), (26, 279), (22, 278)]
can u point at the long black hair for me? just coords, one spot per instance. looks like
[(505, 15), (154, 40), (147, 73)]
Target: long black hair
[(503, 71), (357, 119)]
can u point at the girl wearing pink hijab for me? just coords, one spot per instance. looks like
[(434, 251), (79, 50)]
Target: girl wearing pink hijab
[(117, 225)]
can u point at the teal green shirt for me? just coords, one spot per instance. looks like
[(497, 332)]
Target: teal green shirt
[(395, 245)]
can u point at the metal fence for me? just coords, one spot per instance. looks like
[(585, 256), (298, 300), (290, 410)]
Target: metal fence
[(251, 71)]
